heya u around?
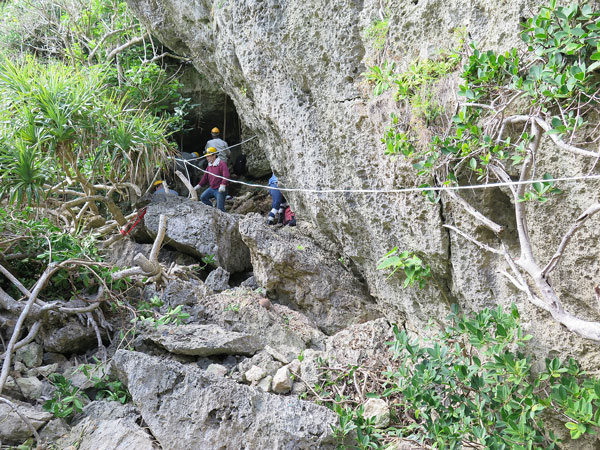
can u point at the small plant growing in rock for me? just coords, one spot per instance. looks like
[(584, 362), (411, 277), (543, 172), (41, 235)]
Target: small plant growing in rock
[(233, 307), (66, 400), (147, 315), (413, 267)]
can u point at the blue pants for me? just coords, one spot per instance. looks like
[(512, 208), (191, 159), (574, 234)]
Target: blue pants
[(277, 197), (213, 193)]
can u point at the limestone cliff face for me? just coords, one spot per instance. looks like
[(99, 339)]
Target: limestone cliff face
[(293, 69)]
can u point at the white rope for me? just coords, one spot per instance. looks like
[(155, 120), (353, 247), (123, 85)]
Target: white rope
[(401, 190)]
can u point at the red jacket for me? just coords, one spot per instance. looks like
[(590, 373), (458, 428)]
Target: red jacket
[(214, 182)]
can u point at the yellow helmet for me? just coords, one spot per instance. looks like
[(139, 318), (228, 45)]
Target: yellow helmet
[(196, 153), (215, 130), (157, 182), (210, 151)]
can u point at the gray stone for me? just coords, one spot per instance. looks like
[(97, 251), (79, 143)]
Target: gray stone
[(255, 374), (28, 387), (283, 329), (30, 355), (217, 370), (183, 292), (298, 388), (297, 272), (202, 340), (54, 431), (109, 426), (218, 280), (211, 232), (282, 381), (14, 430), (379, 410), (43, 371), (250, 283), (72, 337), (177, 400), (265, 384)]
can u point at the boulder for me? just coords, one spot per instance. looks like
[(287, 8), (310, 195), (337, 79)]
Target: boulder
[(198, 230), (202, 340), (13, 429), (255, 374), (286, 331), (28, 388), (71, 337), (109, 426), (217, 280), (30, 355), (296, 271), (183, 405)]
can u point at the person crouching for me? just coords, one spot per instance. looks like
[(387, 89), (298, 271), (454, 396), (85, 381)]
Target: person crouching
[(217, 187)]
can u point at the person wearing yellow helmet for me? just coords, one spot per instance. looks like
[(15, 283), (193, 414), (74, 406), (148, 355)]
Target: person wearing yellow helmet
[(216, 176), (160, 189), (222, 148)]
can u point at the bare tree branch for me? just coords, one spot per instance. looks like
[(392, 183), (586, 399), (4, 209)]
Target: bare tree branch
[(126, 45), (472, 211), (567, 237)]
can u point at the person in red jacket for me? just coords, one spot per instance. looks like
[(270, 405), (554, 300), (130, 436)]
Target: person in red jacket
[(216, 186)]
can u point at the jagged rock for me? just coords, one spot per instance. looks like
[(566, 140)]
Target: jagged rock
[(295, 270), (250, 283), (378, 409), (30, 355), (209, 232), (254, 374), (109, 426), (202, 340), (180, 292), (265, 384), (177, 400), (285, 330), (217, 280), (360, 345), (282, 382), (43, 371), (121, 254), (13, 429), (72, 337), (54, 431), (217, 369), (30, 388), (299, 388)]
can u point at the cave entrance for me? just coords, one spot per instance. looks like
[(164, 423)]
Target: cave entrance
[(211, 111)]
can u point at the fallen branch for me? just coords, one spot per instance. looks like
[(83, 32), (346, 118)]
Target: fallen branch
[(188, 185), (147, 267)]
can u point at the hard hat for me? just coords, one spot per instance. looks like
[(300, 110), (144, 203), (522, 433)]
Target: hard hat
[(196, 153), (156, 183), (210, 151), (215, 130)]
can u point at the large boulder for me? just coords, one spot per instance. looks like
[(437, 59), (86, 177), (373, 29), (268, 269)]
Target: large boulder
[(296, 271), (13, 429), (109, 426), (202, 340), (278, 327), (197, 229), (186, 408)]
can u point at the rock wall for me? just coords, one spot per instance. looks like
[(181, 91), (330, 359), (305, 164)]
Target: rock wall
[(293, 69)]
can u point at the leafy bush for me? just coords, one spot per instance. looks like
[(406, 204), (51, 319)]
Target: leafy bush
[(471, 386)]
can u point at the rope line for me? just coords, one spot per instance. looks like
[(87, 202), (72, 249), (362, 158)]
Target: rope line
[(400, 190), (219, 151)]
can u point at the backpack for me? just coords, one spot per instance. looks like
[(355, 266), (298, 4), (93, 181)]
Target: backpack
[(289, 218)]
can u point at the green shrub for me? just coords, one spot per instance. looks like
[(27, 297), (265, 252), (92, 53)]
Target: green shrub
[(472, 386)]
